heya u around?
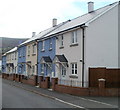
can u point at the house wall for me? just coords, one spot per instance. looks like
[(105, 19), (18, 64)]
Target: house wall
[(119, 36), (4, 64), (12, 58), (22, 60), (47, 52), (101, 42), (31, 57), (72, 54)]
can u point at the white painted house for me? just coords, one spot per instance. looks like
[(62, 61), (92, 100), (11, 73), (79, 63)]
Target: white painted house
[(11, 61), (90, 40)]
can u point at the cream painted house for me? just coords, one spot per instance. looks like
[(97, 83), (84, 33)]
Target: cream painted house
[(11, 61), (31, 58)]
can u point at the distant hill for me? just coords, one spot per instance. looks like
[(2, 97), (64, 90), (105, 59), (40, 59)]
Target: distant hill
[(9, 43)]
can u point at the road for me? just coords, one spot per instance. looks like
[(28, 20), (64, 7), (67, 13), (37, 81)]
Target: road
[(16, 95)]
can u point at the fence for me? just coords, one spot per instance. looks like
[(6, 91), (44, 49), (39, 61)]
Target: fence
[(110, 75), (72, 83)]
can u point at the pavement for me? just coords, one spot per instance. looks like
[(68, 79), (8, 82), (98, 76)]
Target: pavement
[(70, 100)]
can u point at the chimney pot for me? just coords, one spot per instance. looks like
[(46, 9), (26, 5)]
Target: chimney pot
[(90, 7), (54, 23), (33, 34)]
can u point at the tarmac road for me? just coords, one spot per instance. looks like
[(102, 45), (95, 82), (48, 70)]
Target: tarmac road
[(18, 95)]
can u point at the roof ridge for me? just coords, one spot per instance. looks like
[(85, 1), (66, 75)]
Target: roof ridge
[(95, 10)]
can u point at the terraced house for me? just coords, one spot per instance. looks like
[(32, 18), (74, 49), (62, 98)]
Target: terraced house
[(11, 61), (47, 50), (68, 50), (85, 42), (4, 63), (22, 59)]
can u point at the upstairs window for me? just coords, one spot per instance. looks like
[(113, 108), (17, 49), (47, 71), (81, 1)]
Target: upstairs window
[(43, 46), (50, 44), (74, 37), (28, 50), (62, 42), (34, 49)]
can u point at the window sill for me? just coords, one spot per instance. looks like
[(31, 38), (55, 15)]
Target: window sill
[(50, 49), (33, 54), (61, 47), (42, 50), (75, 44), (73, 76)]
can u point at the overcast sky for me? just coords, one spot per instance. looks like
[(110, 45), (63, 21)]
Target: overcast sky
[(19, 18)]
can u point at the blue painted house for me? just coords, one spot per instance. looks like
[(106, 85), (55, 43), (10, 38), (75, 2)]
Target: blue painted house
[(22, 59), (46, 53), (4, 64)]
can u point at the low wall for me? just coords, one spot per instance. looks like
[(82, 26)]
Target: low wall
[(72, 90), (101, 90), (11, 77), (44, 82), (31, 80)]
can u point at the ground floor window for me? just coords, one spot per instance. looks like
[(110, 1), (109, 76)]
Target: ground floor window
[(63, 70), (33, 69), (74, 68), (42, 68)]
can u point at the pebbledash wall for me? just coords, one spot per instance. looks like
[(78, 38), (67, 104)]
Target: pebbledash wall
[(101, 41), (48, 51), (22, 60), (119, 37), (73, 53), (31, 58), (4, 63)]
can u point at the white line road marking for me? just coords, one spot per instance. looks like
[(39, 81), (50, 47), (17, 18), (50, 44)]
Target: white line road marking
[(98, 102), (57, 99), (77, 106)]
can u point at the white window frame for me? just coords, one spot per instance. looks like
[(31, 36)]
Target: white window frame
[(43, 46), (42, 68), (74, 37), (50, 43), (62, 41), (33, 69), (74, 70), (29, 50), (63, 71), (34, 49)]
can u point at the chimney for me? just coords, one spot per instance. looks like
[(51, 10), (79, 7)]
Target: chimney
[(33, 34), (54, 23), (90, 7)]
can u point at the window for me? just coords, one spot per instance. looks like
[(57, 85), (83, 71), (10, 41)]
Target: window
[(20, 53), (28, 50), (34, 49), (63, 70), (74, 37), (61, 42), (50, 44), (33, 69), (42, 68), (15, 55), (74, 68), (43, 46)]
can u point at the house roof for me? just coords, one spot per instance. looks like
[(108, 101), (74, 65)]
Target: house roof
[(12, 50), (61, 58), (84, 19), (46, 59), (42, 34)]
